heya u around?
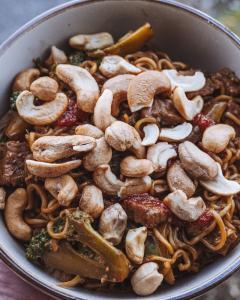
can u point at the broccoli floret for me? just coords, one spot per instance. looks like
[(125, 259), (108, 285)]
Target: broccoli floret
[(77, 57), (13, 99), (37, 246)]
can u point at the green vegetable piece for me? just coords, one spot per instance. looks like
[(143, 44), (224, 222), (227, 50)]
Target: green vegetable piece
[(77, 57), (37, 246), (112, 264), (13, 99)]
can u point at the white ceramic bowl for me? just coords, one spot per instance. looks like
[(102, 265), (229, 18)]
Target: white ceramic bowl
[(185, 34)]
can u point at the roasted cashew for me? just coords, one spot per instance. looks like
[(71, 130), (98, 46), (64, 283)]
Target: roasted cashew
[(101, 154), (24, 79), (45, 88), (62, 188), (89, 130), (44, 114), (82, 83), (43, 169), (13, 214), (133, 167), (52, 148)]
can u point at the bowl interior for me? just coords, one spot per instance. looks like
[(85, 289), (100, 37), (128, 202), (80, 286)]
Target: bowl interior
[(179, 32)]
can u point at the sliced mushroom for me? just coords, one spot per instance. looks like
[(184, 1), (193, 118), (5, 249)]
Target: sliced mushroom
[(44, 114), (188, 109), (113, 65), (120, 136), (177, 133), (101, 154), (135, 244), (62, 188), (178, 180), (196, 162), (159, 154), (217, 137), (146, 279), (106, 180), (151, 134), (144, 87), (133, 167), (92, 201), (82, 83), (133, 186), (57, 56), (119, 87), (90, 42), (43, 169), (188, 83), (45, 88), (113, 223), (185, 209), (24, 79), (89, 130), (102, 116), (52, 148), (220, 185)]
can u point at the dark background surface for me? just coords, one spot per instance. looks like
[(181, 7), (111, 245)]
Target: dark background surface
[(13, 14)]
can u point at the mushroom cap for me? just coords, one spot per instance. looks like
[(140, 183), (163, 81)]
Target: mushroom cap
[(144, 86)]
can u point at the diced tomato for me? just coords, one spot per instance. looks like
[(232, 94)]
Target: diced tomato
[(202, 121), (72, 115), (204, 220)]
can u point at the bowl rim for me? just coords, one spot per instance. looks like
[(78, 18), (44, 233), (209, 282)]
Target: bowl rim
[(11, 264)]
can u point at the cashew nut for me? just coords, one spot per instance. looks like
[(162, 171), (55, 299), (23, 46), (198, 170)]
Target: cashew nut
[(113, 223), (92, 201), (62, 188), (177, 133), (119, 87), (106, 180), (44, 114), (43, 169), (101, 154), (113, 65), (217, 137), (196, 162), (135, 244), (144, 87), (102, 116), (178, 180), (13, 213), (146, 279), (91, 42), (188, 109), (24, 79), (220, 185), (137, 148), (89, 130), (51, 148), (57, 56), (133, 167), (132, 186), (185, 209), (82, 83), (120, 136), (159, 154), (188, 83), (151, 136), (45, 88), (2, 198)]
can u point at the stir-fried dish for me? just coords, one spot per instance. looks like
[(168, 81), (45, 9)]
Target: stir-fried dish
[(120, 166)]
